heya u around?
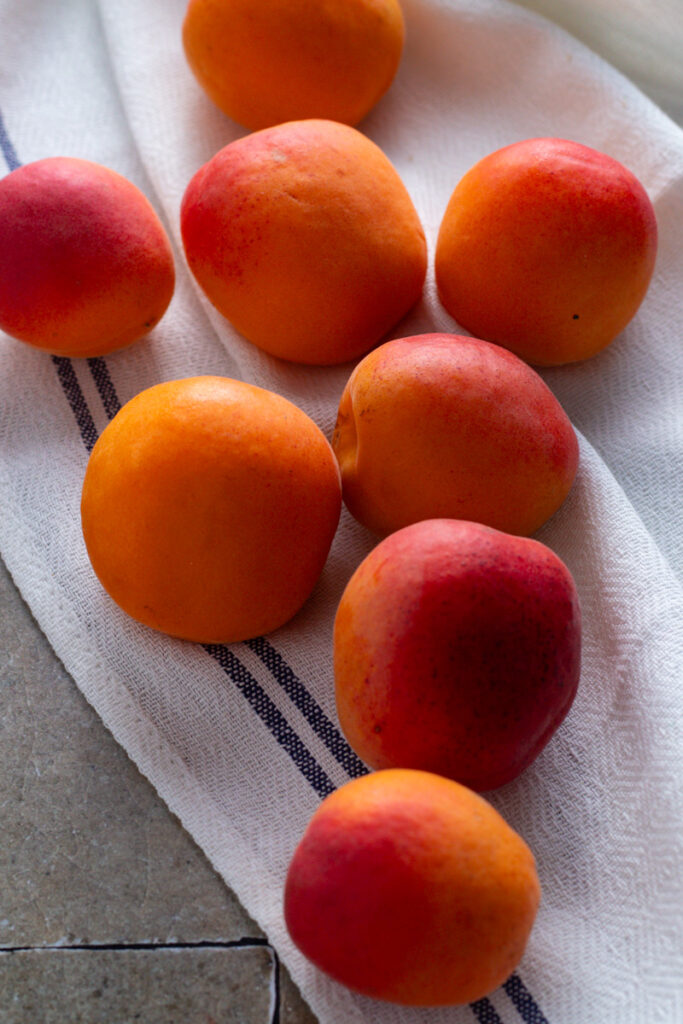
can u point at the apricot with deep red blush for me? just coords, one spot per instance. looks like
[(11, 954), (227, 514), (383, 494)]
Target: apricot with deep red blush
[(408, 887), (457, 650), (86, 266)]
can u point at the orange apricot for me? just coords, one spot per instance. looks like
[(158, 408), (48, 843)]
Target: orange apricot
[(263, 62), (444, 426), (209, 507), (546, 247), (408, 887), (85, 264), (306, 239)]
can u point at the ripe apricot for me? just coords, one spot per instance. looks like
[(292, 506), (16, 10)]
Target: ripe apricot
[(546, 247), (263, 62), (85, 264), (306, 239), (209, 507), (444, 426), (410, 888), (457, 650)]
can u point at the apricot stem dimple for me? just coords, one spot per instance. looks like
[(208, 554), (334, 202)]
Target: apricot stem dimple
[(435, 426), (345, 438)]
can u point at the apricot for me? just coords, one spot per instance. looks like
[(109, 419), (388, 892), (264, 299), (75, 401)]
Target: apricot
[(410, 888), (445, 426), (457, 650), (306, 239), (263, 62), (209, 507), (546, 247), (85, 264)]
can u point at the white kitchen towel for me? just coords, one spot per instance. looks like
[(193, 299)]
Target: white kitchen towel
[(242, 742)]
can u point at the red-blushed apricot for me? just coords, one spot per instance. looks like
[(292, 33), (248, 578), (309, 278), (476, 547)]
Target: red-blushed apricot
[(546, 247), (306, 239), (209, 507), (457, 650), (268, 61), (410, 888), (85, 264), (445, 426)]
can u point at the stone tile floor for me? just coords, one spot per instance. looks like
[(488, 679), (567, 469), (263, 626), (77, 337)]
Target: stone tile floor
[(109, 912)]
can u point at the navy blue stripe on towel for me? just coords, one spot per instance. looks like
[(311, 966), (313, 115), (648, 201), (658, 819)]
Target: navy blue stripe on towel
[(76, 399), (105, 386), (308, 706), (8, 150), (273, 718), (523, 1001), (485, 1012), (272, 659)]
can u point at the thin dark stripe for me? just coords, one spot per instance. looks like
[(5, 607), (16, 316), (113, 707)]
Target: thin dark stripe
[(105, 386), (151, 946), (485, 1012), (309, 707), (76, 399), (8, 150), (272, 718), (523, 1001)]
